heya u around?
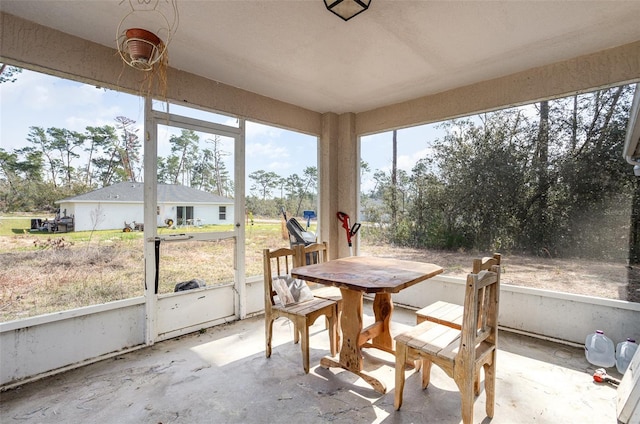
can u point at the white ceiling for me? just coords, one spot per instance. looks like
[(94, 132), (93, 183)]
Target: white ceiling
[(300, 53)]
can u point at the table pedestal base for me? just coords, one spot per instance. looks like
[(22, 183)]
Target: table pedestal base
[(355, 337)]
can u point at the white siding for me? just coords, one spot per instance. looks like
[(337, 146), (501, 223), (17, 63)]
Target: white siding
[(112, 215), (103, 216)]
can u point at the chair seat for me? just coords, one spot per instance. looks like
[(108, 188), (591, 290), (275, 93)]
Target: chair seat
[(432, 338), (306, 307), (444, 313)]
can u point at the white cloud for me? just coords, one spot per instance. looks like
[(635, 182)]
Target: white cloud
[(407, 162), (254, 129), (279, 167), (267, 150)]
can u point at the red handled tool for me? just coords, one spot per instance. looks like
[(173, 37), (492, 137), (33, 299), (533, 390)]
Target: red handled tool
[(350, 229), (601, 376)]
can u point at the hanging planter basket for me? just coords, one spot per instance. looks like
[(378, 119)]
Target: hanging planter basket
[(141, 49)]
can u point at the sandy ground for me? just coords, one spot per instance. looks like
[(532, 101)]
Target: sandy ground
[(585, 277)]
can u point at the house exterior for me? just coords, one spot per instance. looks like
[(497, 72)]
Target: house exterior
[(110, 207)]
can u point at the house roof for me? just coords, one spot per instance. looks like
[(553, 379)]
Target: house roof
[(300, 53), (134, 192)]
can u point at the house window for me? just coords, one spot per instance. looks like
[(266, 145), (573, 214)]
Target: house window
[(222, 214), (184, 215)]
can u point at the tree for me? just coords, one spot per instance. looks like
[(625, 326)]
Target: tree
[(592, 180), (130, 149), (9, 178), (223, 184), (293, 185), (8, 73), (203, 171), (394, 182), (104, 164), (539, 202), (264, 182), (41, 143), (184, 153), (66, 142), (477, 168), (427, 207), (309, 181)]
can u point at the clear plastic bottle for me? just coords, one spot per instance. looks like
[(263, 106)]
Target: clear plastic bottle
[(600, 350), (624, 352)]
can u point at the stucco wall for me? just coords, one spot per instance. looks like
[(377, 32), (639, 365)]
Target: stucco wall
[(50, 342)]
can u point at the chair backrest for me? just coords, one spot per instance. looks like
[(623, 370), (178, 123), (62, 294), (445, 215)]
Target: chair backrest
[(314, 253), (481, 306), (276, 262), (486, 263)]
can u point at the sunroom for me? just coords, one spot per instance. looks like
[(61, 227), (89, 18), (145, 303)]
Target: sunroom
[(297, 66)]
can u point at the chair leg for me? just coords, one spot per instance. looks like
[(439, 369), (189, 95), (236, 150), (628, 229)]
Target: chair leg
[(339, 328), (426, 373), (268, 335), (304, 346), (401, 361), (296, 333), (467, 395), (465, 376), (476, 383), (490, 385), (332, 327), (417, 364)]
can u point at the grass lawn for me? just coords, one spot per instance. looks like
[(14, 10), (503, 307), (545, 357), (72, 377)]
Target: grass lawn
[(44, 272)]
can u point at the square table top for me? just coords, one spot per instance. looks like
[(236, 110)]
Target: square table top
[(369, 274)]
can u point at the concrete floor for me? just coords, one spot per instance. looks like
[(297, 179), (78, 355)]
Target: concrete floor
[(222, 376)]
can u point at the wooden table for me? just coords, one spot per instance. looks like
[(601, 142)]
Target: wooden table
[(355, 276)]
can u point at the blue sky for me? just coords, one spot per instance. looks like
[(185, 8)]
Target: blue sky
[(37, 99)]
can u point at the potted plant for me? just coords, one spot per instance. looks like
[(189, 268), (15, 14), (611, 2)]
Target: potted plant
[(144, 47), (143, 50)]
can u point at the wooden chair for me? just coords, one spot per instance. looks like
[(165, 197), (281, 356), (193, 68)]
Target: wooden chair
[(450, 314), (316, 253), (302, 314), (460, 353)]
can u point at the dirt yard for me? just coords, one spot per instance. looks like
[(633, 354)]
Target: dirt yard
[(600, 279), (66, 275)]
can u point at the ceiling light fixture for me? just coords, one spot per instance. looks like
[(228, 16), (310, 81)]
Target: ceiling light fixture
[(347, 9)]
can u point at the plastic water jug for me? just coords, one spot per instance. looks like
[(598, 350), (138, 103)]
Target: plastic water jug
[(624, 352), (600, 350)]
